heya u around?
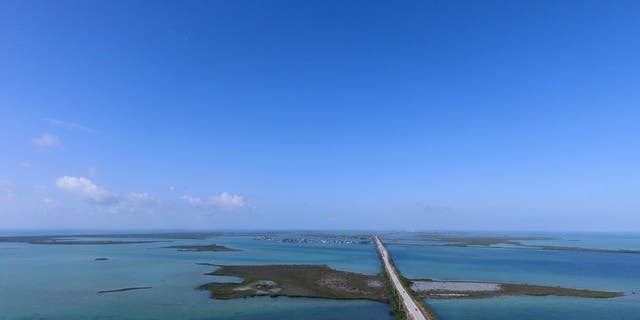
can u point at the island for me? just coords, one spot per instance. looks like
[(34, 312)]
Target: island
[(208, 247), (491, 242), (311, 281), (68, 240), (81, 239), (565, 248), (485, 241), (316, 238), (466, 289)]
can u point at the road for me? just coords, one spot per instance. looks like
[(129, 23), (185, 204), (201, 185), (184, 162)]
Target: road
[(410, 305)]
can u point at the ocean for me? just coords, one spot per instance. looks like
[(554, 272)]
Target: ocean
[(62, 281)]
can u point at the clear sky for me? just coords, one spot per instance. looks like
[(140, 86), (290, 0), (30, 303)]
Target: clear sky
[(320, 114)]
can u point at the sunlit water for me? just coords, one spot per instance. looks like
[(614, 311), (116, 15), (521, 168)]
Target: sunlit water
[(589, 270), (61, 281)]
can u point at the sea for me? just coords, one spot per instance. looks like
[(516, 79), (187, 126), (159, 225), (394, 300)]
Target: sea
[(40, 281)]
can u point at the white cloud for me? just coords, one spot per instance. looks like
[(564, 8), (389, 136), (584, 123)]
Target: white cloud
[(139, 197), (135, 203), (227, 201), (86, 189), (172, 188), (46, 140), (224, 201), (194, 201), (67, 125), (143, 203)]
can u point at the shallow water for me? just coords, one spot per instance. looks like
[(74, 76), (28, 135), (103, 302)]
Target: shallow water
[(61, 281), (578, 269), (525, 308), (615, 241)]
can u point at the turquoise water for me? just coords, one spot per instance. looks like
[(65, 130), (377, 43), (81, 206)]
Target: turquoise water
[(593, 270), (61, 281), (548, 308), (589, 270), (630, 241)]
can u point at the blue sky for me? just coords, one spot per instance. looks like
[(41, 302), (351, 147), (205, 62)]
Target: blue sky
[(520, 115)]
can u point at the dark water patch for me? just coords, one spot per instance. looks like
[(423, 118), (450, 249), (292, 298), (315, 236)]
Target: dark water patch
[(123, 289), (67, 240), (162, 235), (73, 239), (210, 247), (511, 241), (564, 248)]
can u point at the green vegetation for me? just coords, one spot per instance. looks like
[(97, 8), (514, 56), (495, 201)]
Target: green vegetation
[(88, 242), (534, 290), (426, 309), (160, 235), (511, 289), (67, 240), (165, 235), (209, 247), (465, 241), (73, 239), (312, 281), (562, 248), (390, 292), (422, 304), (397, 307)]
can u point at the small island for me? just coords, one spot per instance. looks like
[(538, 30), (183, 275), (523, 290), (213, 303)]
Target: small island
[(484, 241), (209, 247), (464, 289), (74, 239), (491, 242), (565, 248), (311, 281), (68, 240), (101, 259)]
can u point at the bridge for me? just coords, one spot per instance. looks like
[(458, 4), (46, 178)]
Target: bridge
[(413, 309)]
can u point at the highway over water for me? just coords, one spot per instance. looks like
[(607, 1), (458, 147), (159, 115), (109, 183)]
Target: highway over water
[(411, 307)]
